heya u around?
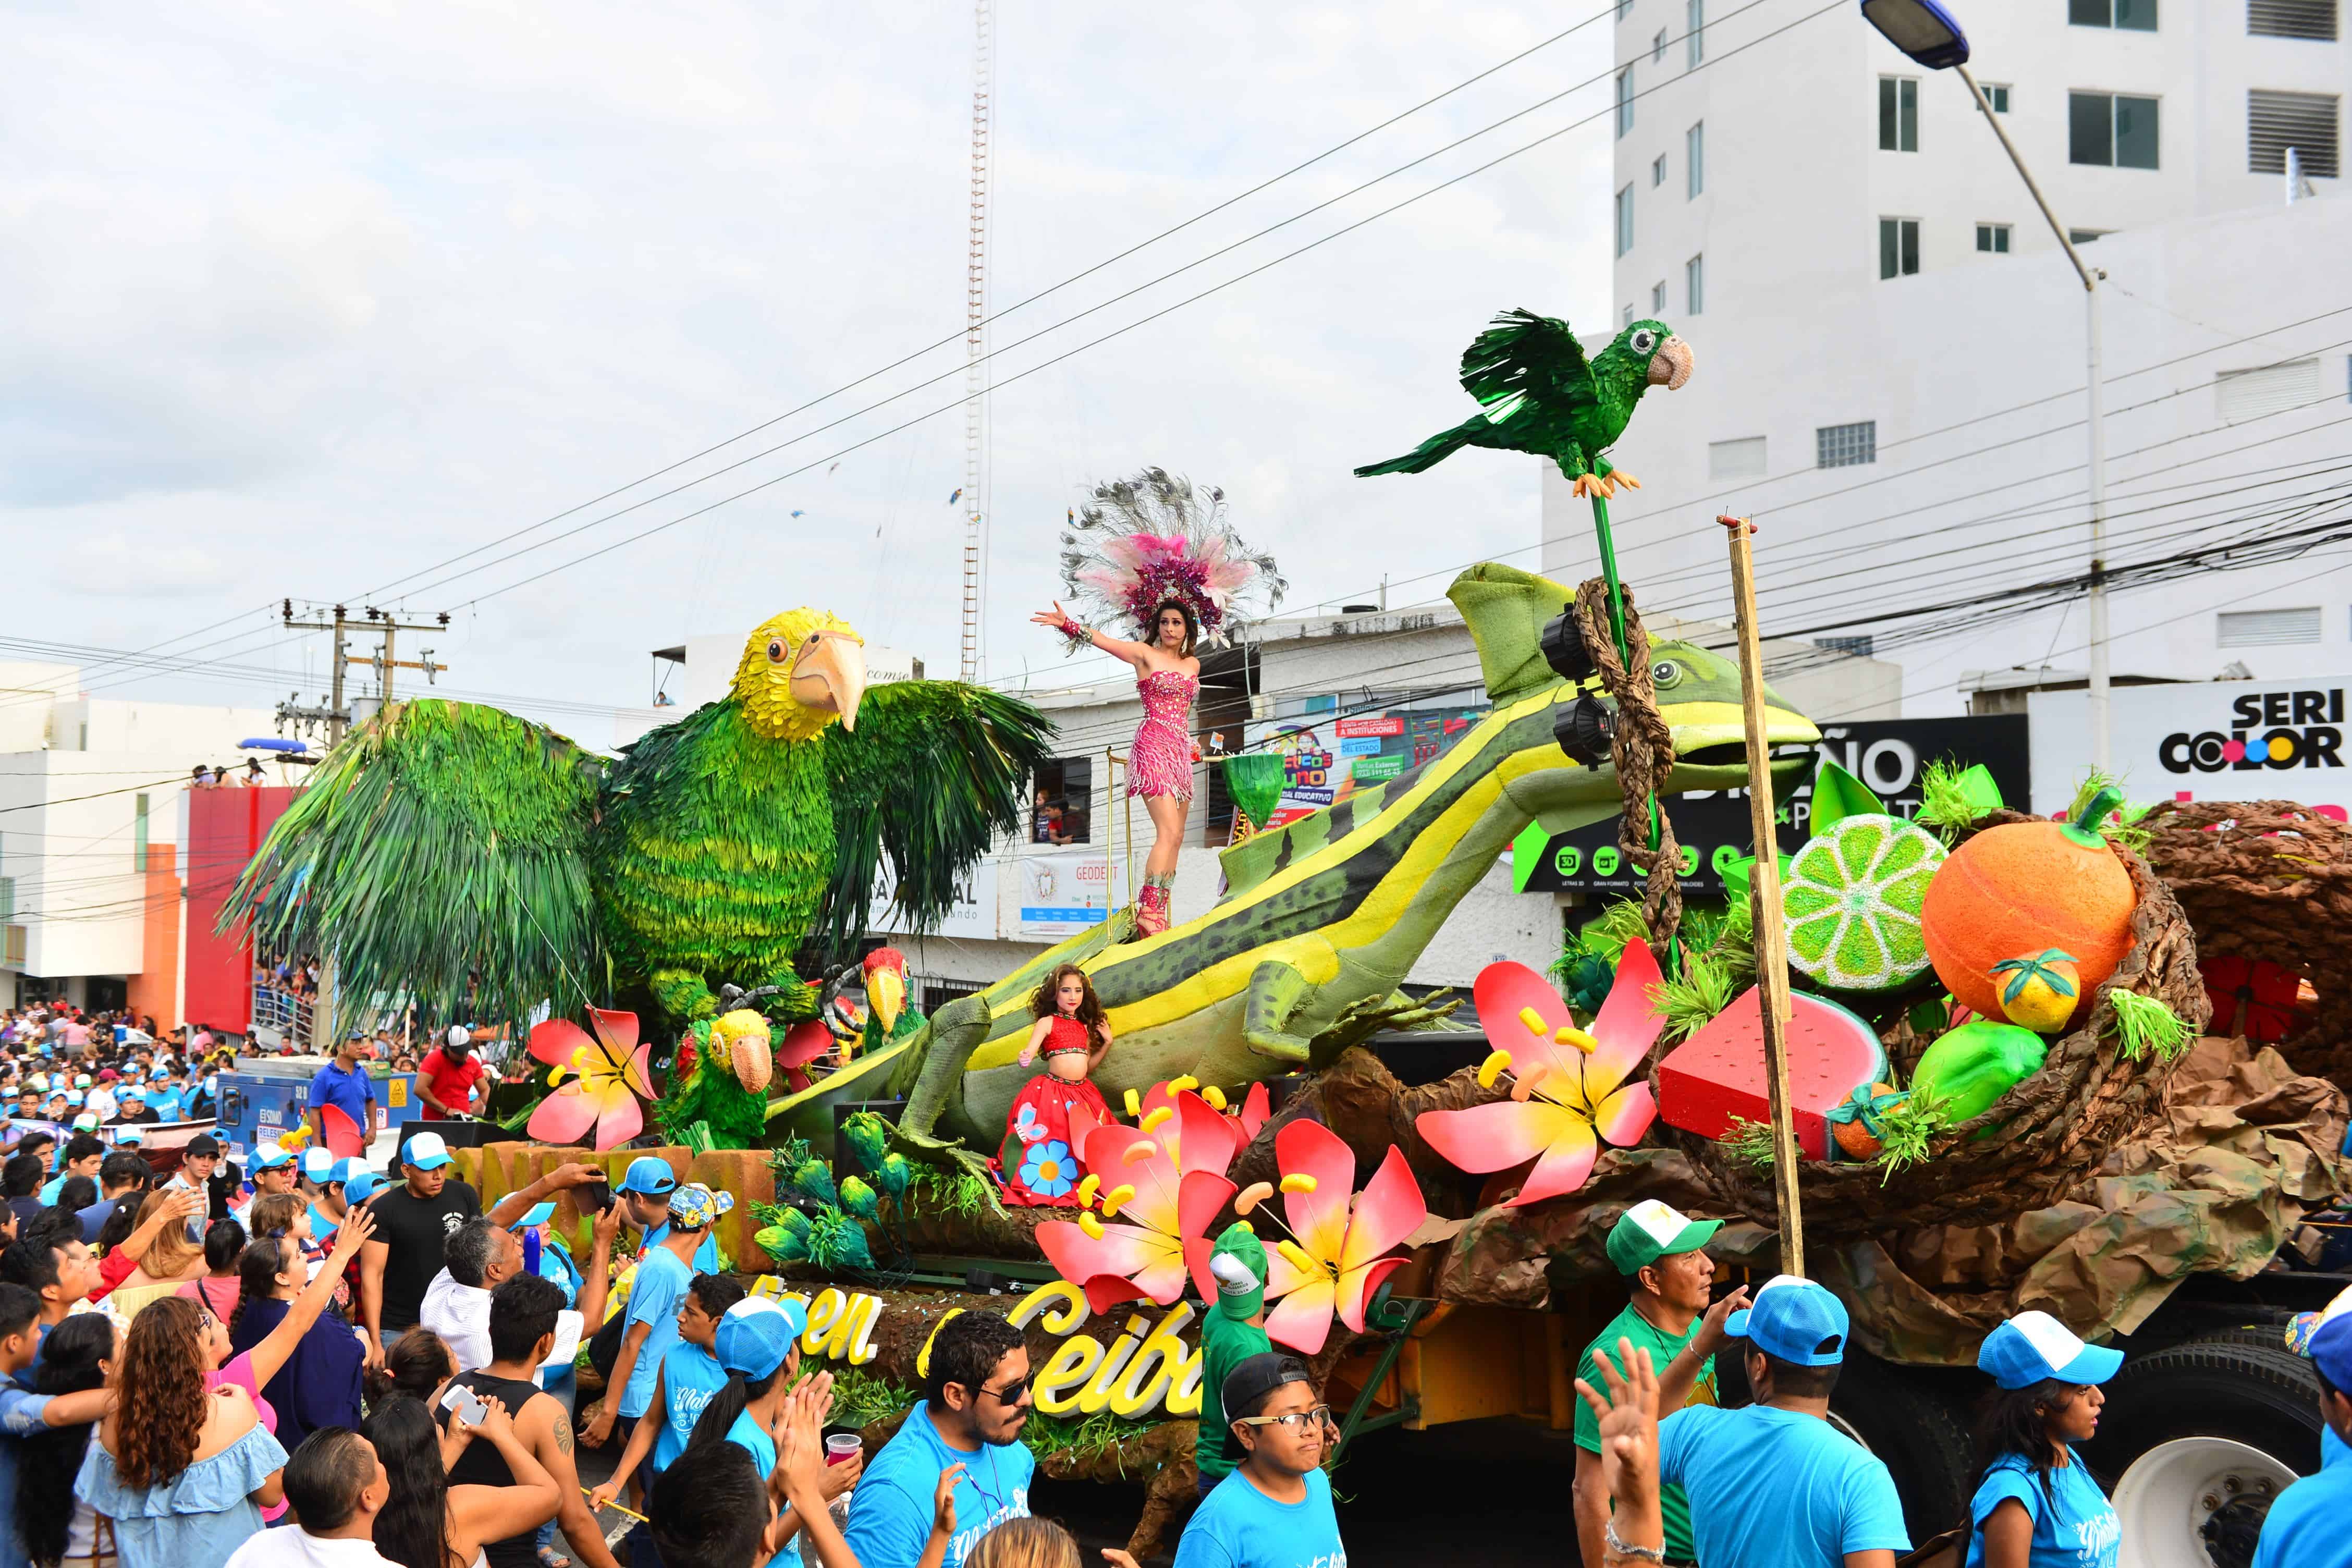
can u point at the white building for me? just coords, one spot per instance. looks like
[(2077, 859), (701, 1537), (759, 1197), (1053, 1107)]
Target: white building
[(90, 792), (1907, 423)]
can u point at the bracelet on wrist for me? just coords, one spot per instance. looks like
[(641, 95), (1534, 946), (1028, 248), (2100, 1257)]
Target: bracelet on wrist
[(1078, 636), (1616, 1545)]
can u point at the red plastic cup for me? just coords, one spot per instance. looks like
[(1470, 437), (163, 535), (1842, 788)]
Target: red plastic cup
[(840, 1446)]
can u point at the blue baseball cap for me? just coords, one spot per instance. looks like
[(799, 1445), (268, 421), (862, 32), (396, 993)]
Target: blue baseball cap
[(2331, 1351), (270, 1157), (359, 1185), (541, 1213), (131, 1132), (425, 1150), (649, 1174), (1796, 1321), (2034, 1347), (317, 1165), (756, 1335)]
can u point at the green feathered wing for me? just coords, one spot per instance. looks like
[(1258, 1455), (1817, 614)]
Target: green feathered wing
[(439, 853), (933, 772)]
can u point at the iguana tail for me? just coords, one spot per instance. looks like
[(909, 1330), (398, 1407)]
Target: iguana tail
[(1430, 453)]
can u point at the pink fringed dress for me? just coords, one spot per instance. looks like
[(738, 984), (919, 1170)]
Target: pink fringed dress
[(1161, 759)]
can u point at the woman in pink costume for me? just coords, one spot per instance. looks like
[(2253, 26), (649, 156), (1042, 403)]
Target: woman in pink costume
[(1149, 551)]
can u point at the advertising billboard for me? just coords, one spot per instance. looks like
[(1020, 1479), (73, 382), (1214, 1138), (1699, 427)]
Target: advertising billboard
[(2205, 739)]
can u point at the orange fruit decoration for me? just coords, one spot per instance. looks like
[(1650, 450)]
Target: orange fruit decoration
[(2024, 887)]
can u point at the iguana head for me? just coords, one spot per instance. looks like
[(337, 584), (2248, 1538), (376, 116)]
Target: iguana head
[(1698, 697), (800, 671)]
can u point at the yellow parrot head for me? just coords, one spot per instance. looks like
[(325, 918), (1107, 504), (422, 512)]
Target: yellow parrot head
[(800, 671)]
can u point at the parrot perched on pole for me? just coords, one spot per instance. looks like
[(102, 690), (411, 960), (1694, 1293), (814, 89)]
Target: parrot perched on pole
[(448, 850), (1537, 393)]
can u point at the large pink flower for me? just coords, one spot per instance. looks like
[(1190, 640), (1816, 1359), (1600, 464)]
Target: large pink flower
[(1156, 1239), (1563, 1096), (803, 1043), (598, 1079), (1339, 1256)]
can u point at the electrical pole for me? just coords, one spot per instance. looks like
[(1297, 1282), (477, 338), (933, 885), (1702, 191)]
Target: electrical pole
[(337, 714)]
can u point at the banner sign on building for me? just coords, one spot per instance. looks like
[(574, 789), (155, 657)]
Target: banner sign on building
[(973, 918), (1324, 763), (1066, 891), (2205, 739), (1713, 829)]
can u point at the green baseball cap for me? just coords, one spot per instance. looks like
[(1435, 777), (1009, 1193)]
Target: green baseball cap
[(1237, 1259), (1650, 1230)]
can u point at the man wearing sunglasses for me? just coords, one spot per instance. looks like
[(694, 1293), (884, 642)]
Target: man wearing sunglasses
[(1274, 1510), (977, 1400)]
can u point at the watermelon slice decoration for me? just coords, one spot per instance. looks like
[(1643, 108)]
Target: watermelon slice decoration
[(1719, 1073), (1852, 897)]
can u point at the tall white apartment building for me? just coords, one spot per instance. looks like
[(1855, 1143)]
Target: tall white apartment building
[(1890, 347)]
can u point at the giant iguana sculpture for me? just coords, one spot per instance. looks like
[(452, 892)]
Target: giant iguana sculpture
[(1322, 918)]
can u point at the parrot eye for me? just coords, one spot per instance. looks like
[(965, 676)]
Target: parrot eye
[(1644, 340), (775, 652), (1666, 672)]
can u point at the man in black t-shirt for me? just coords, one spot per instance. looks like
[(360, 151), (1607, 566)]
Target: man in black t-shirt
[(413, 1222)]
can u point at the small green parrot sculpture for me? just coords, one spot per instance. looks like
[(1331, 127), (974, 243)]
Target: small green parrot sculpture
[(1537, 393)]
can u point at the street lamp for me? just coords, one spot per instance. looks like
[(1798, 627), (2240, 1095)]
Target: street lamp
[(1931, 36)]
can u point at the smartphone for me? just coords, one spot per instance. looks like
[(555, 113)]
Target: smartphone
[(465, 1404)]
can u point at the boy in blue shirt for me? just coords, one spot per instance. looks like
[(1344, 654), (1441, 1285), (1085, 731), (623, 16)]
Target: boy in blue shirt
[(1273, 1509), (1773, 1484), (662, 1279), (2305, 1527), (976, 1401), (688, 1375), (646, 1189)]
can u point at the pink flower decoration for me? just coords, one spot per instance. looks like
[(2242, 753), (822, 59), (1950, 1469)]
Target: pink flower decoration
[(803, 1043), (1573, 1099), (1344, 1249), (1159, 1237), (598, 1080)]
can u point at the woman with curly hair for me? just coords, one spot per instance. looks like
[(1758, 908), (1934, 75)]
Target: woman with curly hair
[(428, 1522), (183, 1469), (57, 1529), (1042, 1158)]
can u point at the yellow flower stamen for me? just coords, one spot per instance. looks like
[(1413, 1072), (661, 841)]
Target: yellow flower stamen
[(1534, 1022), (1179, 1085), (1090, 1223), (1298, 1181), (1570, 1035), (1494, 1067), (1087, 1188), (1215, 1098), (1159, 1113), (1114, 1198)]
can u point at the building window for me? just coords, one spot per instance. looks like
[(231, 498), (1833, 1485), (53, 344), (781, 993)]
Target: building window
[(1625, 220), (1694, 48), (1694, 160), (1741, 459), (2305, 122), (1624, 9), (1657, 298), (1852, 647), (2132, 15), (1694, 286), (1626, 317), (1994, 237), (2314, 19), (1066, 799), (1625, 102), (1658, 48), (1898, 114), (1658, 170), (1997, 94), (2110, 130), (2267, 389), (1898, 246), (2266, 628), (139, 834), (1846, 445), (8, 906)]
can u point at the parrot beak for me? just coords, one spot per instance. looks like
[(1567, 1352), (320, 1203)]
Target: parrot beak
[(1671, 365), (885, 993), (832, 676)]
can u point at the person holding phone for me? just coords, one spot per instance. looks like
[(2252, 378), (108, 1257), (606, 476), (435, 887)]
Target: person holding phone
[(431, 1523)]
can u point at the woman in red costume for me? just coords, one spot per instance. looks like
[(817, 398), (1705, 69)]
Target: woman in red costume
[(1149, 551)]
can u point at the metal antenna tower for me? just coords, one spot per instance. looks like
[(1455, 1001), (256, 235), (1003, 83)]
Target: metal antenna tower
[(975, 340)]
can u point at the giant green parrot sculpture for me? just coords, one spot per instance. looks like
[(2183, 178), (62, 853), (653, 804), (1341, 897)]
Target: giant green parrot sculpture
[(484, 865), (1537, 393)]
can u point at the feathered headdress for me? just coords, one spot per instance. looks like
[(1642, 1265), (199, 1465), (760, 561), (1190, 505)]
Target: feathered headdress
[(1141, 541)]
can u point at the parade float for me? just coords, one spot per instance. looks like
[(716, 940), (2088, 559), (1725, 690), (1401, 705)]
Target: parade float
[(1954, 1066)]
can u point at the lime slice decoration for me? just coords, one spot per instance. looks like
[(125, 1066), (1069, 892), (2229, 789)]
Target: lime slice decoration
[(1851, 903)]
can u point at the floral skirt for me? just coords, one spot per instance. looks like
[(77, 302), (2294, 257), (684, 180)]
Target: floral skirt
[(1038, 1163)]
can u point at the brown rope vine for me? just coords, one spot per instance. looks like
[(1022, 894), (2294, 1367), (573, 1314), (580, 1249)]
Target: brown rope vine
[(1644, 751)]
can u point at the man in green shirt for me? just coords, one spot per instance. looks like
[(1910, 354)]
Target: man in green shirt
[(1233, 1331), (1662, 1254)]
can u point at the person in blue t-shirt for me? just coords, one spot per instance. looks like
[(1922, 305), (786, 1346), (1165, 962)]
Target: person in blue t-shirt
[(646, 1189), (688, 1375), (976, 1401), (1773, 1484), (344, 1084), (2036, 1504), (1273, 1509), (652, 1313), (2305, 1527)]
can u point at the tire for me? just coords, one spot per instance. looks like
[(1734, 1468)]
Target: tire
[(2197, 1439), (1906, 1421)]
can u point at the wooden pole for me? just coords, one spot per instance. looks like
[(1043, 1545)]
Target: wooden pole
[(1764, 897)]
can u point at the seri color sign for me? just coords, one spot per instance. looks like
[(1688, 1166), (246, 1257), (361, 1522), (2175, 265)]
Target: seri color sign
[(2221, 739)]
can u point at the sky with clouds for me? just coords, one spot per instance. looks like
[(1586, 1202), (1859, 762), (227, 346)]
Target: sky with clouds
[(311, 301)]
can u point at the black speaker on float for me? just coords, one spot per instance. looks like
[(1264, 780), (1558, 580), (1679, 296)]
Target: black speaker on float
[(1564, 649)]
